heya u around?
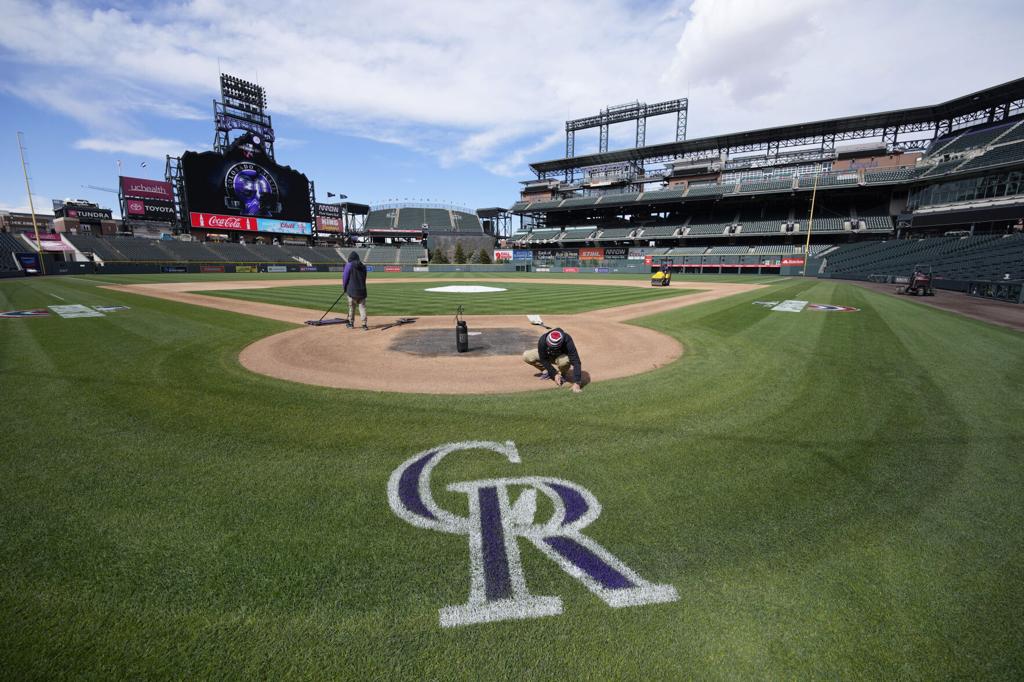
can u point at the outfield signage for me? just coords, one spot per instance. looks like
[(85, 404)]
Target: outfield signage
[(493, 526), (215, 221), (522, 254), (149, 209), (792, 261), (592, 253), (503, 254), (147, 189), (615, 252)]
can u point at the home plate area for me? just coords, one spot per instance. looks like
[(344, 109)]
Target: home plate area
[(440, 342)]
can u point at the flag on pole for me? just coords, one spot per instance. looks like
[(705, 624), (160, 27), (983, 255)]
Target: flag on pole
[(143, 164)]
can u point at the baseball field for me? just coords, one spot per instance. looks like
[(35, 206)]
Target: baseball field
[(741, 490)]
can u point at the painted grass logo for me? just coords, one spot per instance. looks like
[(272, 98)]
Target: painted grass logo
[(497, 585)]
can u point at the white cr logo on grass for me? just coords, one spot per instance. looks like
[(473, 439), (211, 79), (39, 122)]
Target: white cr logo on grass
[(497, 585)]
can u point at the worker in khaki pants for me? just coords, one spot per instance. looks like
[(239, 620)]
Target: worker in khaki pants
[(555, 348)]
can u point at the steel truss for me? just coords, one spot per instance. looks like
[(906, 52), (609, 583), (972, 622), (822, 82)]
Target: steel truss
[(623, 113), (896, 129)]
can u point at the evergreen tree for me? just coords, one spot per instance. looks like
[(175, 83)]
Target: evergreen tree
[(460, 254), (439, 257), (483, 257)]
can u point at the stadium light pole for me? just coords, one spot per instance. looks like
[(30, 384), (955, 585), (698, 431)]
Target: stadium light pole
[(810, 223), (31, 204)]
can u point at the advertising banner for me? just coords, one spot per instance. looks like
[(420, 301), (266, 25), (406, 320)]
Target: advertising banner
[(570, 269), (567, 254), (211, 268), (592, 253), (503, 254), (792, 261), (328, 218), (146, 189), (544, 254), (173, 268), (87, 214), (283, 226), (277, 268), (615, 252), (222, 222), (245, 182), (392, 268), (149, 209), (522, 254), (246, 268), (328, 224)]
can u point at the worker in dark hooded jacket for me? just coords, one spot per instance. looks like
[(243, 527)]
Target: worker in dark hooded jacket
[(555, 356), (354, 282)]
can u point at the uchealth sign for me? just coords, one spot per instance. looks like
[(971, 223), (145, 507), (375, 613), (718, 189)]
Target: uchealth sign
[(146, 189), (223, 222), (149, 209)]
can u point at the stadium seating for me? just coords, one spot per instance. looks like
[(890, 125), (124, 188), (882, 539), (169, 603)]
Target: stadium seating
[(382, 255), (973, 139), (577, 201), (709, 189), (829, 180), (942, 168), (657, 231), (544, 235), (707, 229), (889, 175), (759, 186), (615, 233), (1015, 134), (983, 257), (686, 251), (411, 218), (545, 205), (411, 254), (99, 246), (464, 222), (664, 194), (998, 155), (381, 219), (614, 199), (577, 234), (438, 218), (762, 226), (728, 250)]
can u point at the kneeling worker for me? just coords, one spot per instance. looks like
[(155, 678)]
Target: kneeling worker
[(557, 348)]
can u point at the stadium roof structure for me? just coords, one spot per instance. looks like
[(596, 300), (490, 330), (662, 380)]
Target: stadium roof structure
[(989, 105)]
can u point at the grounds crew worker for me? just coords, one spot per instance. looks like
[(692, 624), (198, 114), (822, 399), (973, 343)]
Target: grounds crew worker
[(354, 282), (557, 348)]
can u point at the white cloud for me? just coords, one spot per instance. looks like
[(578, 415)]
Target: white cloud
[(487, 82), (151, 147)]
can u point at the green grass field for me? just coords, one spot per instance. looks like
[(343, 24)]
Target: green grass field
[(414, 299), (833, 495)]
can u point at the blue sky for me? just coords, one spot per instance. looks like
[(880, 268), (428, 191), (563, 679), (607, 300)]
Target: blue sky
[(449, 101)]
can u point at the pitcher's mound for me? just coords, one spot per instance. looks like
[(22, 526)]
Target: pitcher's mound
[(441, 342)]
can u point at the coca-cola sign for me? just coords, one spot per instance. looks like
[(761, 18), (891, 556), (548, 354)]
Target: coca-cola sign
[(146, 189), (223, 222)]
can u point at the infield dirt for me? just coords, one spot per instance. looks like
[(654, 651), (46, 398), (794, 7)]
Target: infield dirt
[(338, 357)]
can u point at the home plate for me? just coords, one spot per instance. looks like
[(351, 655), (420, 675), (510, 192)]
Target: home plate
[(465, 289)]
